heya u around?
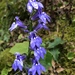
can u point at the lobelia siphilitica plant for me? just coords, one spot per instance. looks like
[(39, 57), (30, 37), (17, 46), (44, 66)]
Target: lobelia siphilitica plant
[(34, 40)]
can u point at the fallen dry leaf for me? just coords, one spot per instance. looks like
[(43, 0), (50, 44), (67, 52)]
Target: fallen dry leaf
[(59, 70), (53, 63)]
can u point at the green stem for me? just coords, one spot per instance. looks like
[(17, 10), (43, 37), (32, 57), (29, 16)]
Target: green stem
[(29, 51), (30, 29)]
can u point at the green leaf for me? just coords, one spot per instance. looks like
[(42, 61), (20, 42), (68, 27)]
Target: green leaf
[(51, 45), (55, 53), (48, 57), (70, 55), (56, 42), (47, 61), (20, 47), (4, 71)]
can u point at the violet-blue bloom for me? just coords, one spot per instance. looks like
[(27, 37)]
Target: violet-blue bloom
[(36, 69), (32, 34), (41, 15), (17, 23), (18, 62), (39, 53), (33, 4), (44, 17), (35, 42), (36, 15), (13, 26), (40, 26)]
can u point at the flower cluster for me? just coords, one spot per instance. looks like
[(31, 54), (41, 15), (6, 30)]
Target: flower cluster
[(35, 45), (34, 39)]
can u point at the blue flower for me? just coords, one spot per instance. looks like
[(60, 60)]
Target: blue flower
[(36, 15), (35, 42), (44, 17), (36, 69), (41, 15), (17, 23), (32, 34), (40, 26), (18, 62), (13, 26), (33, 4), (39, 53)]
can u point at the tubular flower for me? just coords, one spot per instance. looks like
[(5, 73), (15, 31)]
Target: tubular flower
[(36, 15), (44, 17), (39, 53), (35, 42), (36, 69), (40, 26), (18, 62), (33, 4), (17, 23), (32, 34), (41, 15)]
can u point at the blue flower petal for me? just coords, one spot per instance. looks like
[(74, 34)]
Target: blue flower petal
[(38, 70), (40, 5), (32, 43), (13, 26), (37, 55), (18, 62), (34, 4), (42, 68), (29, 7), (20, 65), (14, 66), (33, 70)]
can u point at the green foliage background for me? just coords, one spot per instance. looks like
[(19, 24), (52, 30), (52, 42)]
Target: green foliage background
[(62, 25)]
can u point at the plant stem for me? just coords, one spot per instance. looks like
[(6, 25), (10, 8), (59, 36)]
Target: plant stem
[(30, 29)]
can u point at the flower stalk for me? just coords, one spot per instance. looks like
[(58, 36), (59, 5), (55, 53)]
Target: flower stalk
[(34, 40)]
